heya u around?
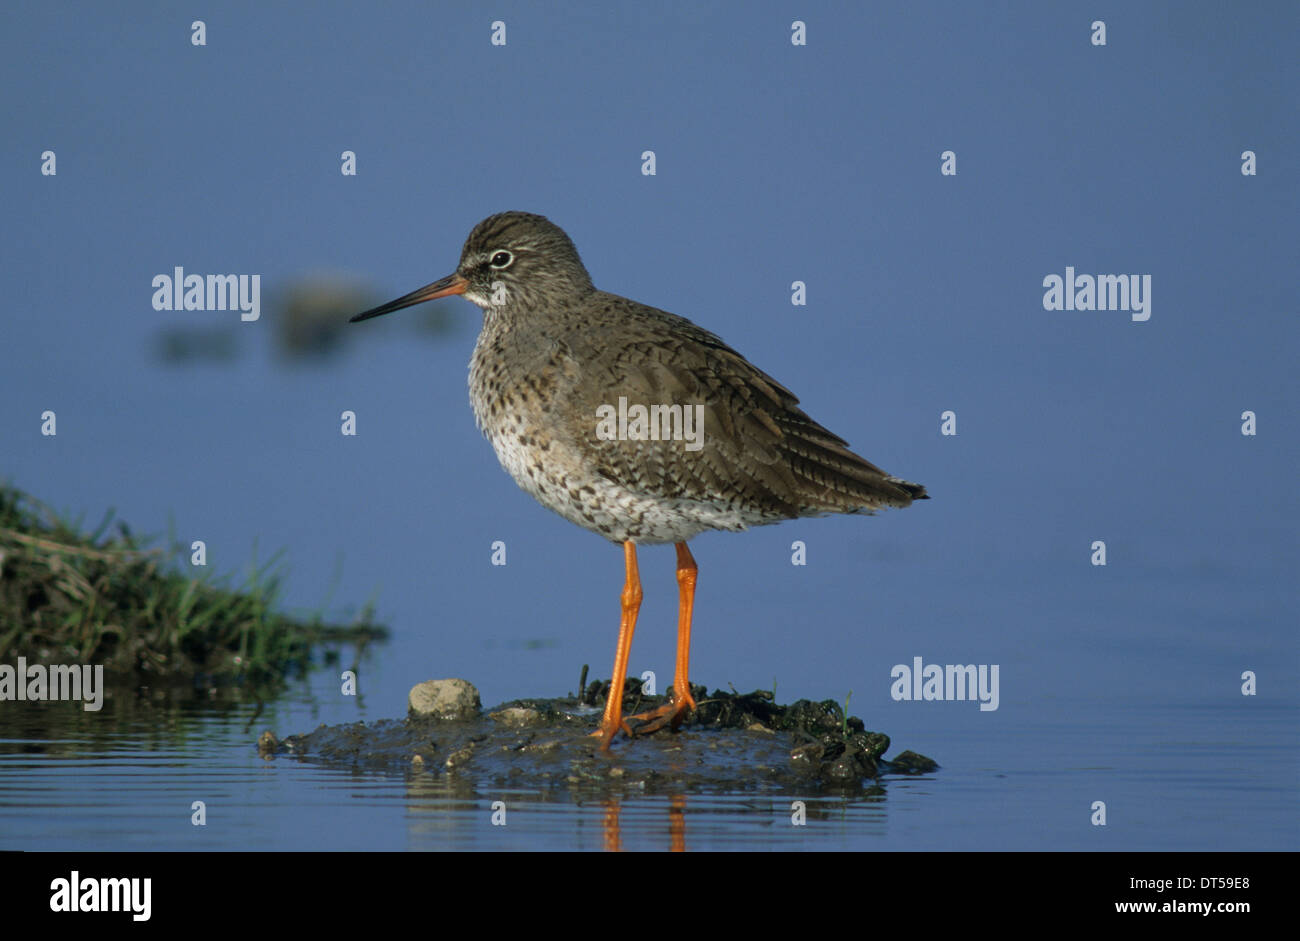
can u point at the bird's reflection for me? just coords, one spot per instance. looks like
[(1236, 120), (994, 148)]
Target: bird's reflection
[(612, 830)]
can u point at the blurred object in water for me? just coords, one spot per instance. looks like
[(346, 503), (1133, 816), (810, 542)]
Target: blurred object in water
[(316, 308), (177, 344)]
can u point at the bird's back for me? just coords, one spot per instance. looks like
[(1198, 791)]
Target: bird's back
[(720, 443)]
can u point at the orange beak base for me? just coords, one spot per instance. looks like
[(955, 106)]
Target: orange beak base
[(444, 287)]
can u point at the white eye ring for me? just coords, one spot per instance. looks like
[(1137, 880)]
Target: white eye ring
[(497, 261)]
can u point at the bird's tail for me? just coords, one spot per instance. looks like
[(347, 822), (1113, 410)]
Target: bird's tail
[(915, 491)]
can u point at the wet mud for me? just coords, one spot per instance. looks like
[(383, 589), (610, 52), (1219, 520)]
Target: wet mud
[(732, 741)]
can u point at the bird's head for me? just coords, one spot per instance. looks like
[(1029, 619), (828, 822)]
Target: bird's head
[(511, 260)]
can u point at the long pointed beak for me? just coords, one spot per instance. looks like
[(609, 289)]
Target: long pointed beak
[(452, 284)]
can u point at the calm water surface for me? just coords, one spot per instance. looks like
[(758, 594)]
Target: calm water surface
[(125, 779)]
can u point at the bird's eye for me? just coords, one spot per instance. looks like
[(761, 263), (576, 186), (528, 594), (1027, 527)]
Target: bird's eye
[(502, 260)]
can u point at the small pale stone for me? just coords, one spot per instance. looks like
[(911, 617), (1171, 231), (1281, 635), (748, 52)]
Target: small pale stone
[(807, 755), (267, 744), (444, 699), (517, 716), (459, 757), (548, 745)]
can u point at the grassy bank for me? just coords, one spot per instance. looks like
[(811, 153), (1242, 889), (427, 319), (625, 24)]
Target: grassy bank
[(106, 597)]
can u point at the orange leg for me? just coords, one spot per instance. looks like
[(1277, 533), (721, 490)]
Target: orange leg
[(612, 721), (686, 571), (674, 712)]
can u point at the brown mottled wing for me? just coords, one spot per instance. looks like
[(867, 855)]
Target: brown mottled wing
[(760, 450)]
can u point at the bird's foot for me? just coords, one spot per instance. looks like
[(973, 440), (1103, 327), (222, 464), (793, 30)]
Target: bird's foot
[(670, 714), (606, 733)]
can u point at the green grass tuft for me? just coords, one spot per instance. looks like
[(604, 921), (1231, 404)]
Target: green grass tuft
[(105, 597)]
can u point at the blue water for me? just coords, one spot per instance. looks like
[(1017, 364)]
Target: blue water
[(1118, 683), (1172, 775)]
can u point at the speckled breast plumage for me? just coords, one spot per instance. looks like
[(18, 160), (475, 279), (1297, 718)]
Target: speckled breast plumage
[(538, 378), (518, 401)]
